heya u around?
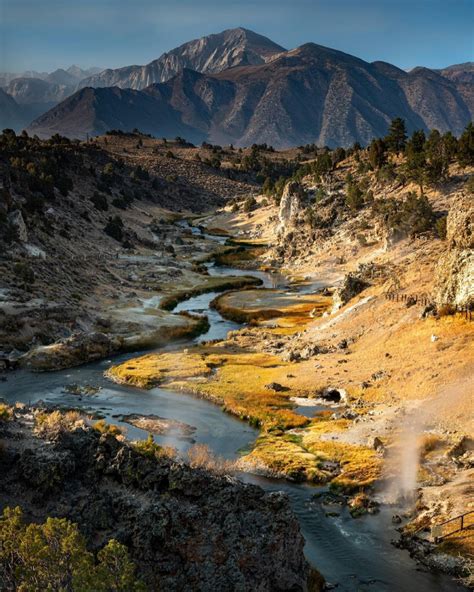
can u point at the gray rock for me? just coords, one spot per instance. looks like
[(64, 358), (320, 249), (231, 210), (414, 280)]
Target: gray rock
[(455, 270), (277, 387), (16, 220)]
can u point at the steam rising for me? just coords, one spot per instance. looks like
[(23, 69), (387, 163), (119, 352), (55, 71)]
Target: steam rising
[(403, 460)]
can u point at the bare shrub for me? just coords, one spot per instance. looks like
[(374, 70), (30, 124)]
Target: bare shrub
[(5, 412), (446, 310), (429, 442), (51, 424), (200, 456)]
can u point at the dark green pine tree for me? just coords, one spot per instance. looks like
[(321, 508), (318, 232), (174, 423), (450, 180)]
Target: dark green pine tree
[(466, 146), (377, 153), (417, 141), (415, 163), (397, 136), (438, 156)]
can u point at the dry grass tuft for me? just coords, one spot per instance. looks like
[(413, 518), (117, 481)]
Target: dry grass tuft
[(200, 456), (51, 424), (6, 412), (103, 427)]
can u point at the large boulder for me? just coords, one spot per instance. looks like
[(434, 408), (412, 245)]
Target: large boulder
[(455, 270), (352, 284), (460, 224)]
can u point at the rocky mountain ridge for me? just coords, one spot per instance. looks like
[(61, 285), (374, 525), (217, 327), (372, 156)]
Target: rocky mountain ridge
[(71, 75), (210, 54)]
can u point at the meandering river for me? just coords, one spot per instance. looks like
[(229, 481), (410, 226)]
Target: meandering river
[(355, 554)]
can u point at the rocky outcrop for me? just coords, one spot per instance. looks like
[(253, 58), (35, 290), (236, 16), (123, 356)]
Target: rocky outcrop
[(16, 220), (73, 351), (455, 271), (352, 284), (291, 205), (186, 529)]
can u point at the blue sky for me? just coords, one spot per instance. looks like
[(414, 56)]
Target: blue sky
[(46, 34)]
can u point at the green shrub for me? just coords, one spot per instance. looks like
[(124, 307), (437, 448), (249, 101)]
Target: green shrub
[(354, 196), (114, 228), (250, 204), (412, 216), (100, 201), (24, 273), (64, 184), (440, 227)]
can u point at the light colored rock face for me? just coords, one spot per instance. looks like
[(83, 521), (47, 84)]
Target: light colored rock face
[(455, 278), (460, 224), (211, 54), (290, 206), (17, 221), (352, 285), (455, 271)]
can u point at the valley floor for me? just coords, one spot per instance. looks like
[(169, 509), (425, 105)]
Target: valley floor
[(351, 396)]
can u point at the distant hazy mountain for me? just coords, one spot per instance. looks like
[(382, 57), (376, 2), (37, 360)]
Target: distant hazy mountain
[(73, 74), (43, 90), (63, 77), (214, 53), (12, 115), (34, 90), (309, 94)]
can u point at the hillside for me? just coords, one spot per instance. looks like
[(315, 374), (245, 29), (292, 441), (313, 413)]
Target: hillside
[(91, 209), (12, 114), (167, 515)]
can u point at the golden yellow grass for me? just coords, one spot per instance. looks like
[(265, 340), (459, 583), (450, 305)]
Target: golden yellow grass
[(461, 542), (289, 310), (153, 369), (237, 380)]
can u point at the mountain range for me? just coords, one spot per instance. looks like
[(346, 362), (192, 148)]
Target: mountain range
[(36, 92), (70, 77), (242, 88)]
